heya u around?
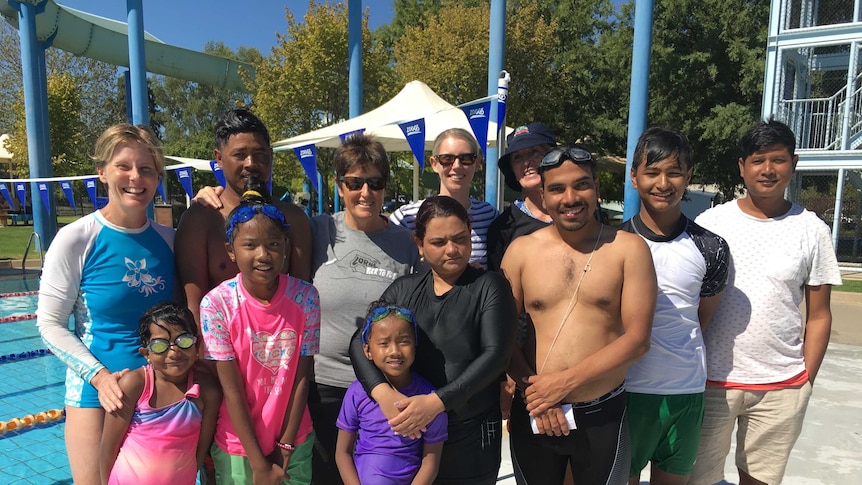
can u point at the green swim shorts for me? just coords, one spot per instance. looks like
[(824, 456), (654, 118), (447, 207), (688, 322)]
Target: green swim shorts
[(235, 469), (664, 430)]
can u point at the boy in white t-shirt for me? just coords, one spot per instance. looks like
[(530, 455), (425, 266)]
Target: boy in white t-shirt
[(760, 363), (666, 386)]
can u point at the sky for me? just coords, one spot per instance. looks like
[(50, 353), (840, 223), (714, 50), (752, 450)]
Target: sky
[(190, 24)]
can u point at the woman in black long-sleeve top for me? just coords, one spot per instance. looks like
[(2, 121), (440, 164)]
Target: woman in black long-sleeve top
[(466, 322)]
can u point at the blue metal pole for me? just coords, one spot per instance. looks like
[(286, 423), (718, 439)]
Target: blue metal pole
[(321, 194), (137, 62), (496, 59), (354, 47), (36, 116), (138, 70), (128, 77), (638, 97)]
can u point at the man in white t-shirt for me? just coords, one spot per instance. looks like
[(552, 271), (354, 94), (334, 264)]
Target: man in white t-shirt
[(761, 359)]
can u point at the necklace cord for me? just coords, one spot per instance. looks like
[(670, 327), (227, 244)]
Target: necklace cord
[(573, 300)]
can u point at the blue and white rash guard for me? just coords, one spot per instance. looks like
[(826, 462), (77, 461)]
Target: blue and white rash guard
[(105, 276)]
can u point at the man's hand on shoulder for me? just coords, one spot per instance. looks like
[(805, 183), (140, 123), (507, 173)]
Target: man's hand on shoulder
[(300, 237), (209, 197)]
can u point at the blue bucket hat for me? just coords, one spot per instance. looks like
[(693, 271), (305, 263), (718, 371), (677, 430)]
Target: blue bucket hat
[(522, 138)]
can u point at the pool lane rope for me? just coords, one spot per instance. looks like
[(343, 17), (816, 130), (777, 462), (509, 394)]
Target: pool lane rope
[(24, 355), (30, 420), (18, 318), (18, 293)]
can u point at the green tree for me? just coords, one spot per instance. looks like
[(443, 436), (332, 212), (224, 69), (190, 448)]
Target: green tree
[(64, 114), (94, 91), (706, 75), (303, 84), (415, 13), (185, 113), (10, 75), (579, 103)]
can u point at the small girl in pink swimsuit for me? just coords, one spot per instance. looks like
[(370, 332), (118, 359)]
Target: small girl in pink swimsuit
[(162, 433)]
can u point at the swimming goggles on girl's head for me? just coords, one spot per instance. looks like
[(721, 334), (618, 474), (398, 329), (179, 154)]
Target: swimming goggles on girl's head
[(246, 212), (382, 312), (161, 345)]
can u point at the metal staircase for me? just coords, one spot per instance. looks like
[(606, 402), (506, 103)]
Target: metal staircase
[(819, 122)]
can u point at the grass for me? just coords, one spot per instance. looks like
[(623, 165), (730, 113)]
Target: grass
[(851, 286), (13, 239)]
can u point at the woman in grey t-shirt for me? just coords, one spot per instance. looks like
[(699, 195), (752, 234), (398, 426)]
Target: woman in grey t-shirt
[(356, 255)]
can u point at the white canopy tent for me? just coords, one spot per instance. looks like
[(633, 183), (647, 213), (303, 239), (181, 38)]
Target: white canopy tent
[(416, 100)]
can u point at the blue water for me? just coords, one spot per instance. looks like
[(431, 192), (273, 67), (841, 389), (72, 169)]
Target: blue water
[(32, 455)]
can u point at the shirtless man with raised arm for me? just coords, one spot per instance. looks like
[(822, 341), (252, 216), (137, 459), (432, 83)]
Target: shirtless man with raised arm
[(590, 293), (242, 149)]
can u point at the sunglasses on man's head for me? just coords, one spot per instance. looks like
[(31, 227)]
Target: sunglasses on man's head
[(356, 183), (560, 155), (446, 159), (161, 345)]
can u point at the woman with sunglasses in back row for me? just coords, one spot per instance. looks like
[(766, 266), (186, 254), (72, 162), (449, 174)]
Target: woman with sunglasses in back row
[(466, 329), (456, 155), (356, 254)]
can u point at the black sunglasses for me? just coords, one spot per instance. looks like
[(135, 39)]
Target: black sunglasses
[(356, 183), (161, 345), (559, 155), (465, 158)]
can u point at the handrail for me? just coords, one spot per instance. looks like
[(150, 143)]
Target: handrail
[(33, 236), (818, 122)]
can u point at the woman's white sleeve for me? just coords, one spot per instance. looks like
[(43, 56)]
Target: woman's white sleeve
[(58, 294)]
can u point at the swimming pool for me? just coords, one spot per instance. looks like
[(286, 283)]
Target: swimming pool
[(32, 383)]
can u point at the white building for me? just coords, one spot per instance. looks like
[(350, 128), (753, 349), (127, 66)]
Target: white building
[(813, 83)]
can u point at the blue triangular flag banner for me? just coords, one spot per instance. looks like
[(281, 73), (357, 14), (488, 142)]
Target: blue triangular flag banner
[(6, 195), (477, 115), (44, 191), (345, 136), (67, 189), (185, 176), (218, 172), (307, 156), (161, 189), (414, 131), (90, 184), (502, 97), (21, 190)]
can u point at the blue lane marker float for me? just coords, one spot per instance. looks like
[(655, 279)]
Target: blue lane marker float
[(30, 354)]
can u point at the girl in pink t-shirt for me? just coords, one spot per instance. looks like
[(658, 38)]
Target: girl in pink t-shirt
[(162, 433), (262, 328)]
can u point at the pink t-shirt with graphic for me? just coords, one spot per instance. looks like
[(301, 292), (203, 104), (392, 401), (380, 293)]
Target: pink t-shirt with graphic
[(266, 341)]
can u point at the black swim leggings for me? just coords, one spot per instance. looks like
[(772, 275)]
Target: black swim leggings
[(597, 451), (324, 404)]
